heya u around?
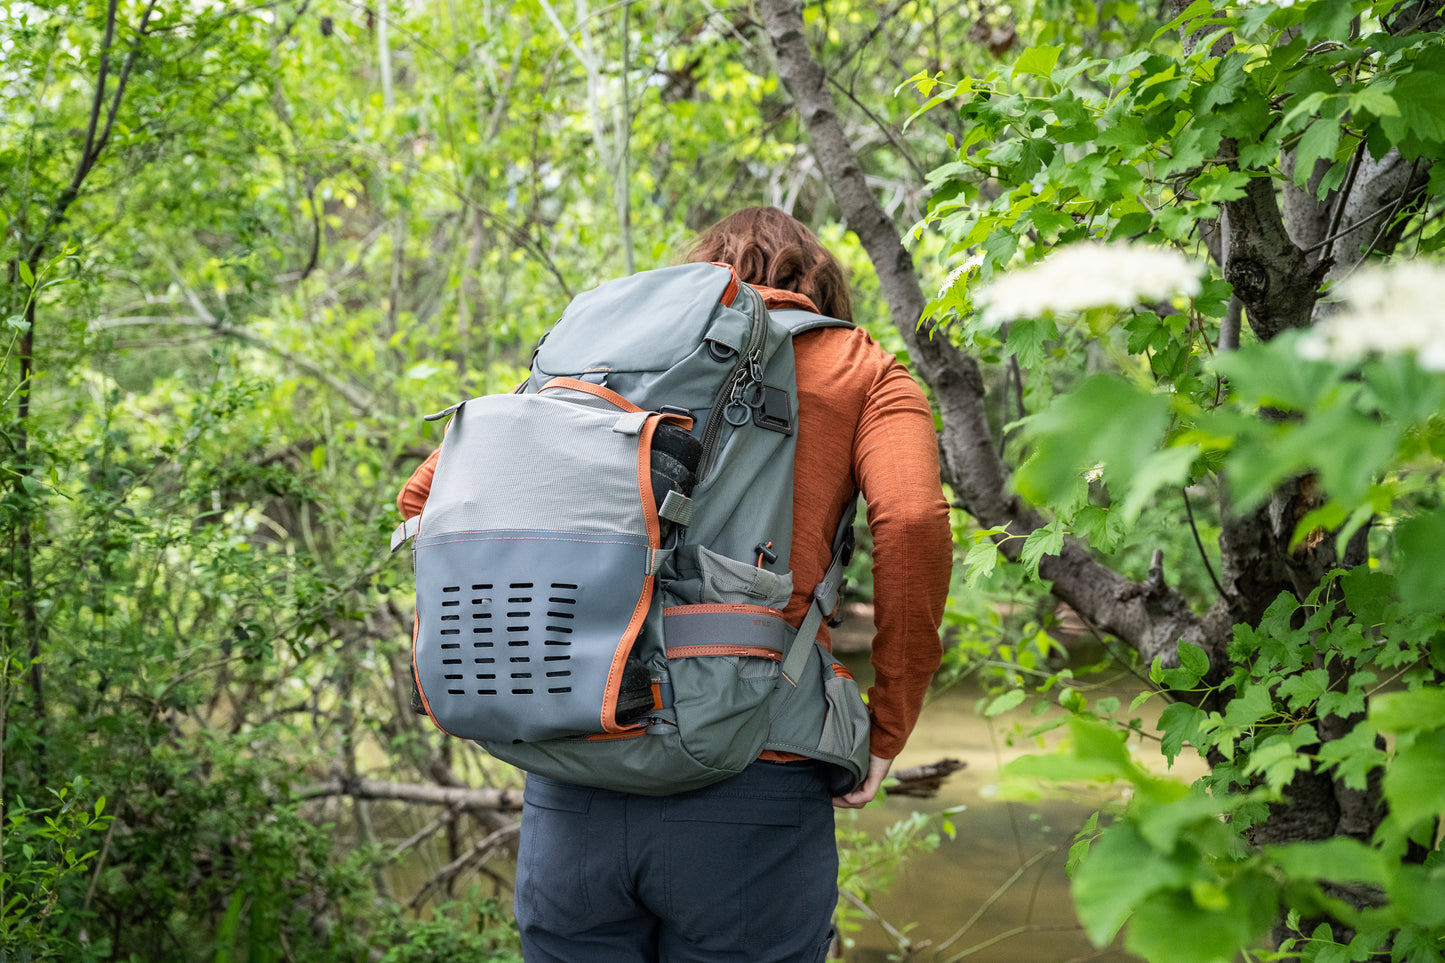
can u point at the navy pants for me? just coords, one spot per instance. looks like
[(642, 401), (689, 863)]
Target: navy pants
[(744, 870)]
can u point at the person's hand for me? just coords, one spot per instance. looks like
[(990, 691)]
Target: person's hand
[(863, 795)]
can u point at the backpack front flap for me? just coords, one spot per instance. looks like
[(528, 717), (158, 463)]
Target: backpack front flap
[(534, 565), (667, 337), (694, 338)]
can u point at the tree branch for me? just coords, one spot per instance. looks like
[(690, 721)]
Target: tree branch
[(1271, 275), (355, 399), (483, 848), (502, 800), (1150, 619)]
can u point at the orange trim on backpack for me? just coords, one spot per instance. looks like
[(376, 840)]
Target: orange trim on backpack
[(415, 631), (588, 388), (722, 608), (734, 286), (839, 669), (622, 734), (644, 601), (608, 716), (748, 651)]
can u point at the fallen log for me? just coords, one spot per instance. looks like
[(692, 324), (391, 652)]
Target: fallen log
[(922, 781), (502, 800)]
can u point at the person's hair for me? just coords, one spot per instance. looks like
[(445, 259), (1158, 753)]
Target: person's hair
[(768, 247)]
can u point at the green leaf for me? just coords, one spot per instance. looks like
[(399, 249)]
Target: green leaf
[(1048, 540), (1249, 708), (1320, 141), (1377, 99), (1038, 60), (1328, 21), (26, 276), (1418, 895), (1003, 703), (1097, 741), (1353, 756), (980, 561), (1277, 759), (1193, 659), (1167, 822), (1119, 872), (318, 457), (1412, 784), (1420, 96), (1368, 594), (1160, 469), (1341, 859), (1105, 420), (1174, 926), (1305, 688), (1197, 9), (1417, 710), (1026, 339), (1421, 566), (1179, 723)]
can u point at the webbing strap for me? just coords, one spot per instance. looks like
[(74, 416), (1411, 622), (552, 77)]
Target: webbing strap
[(826, 594), (656, 558), (724, 626), (406, 530), (676, 507), (631, 422)]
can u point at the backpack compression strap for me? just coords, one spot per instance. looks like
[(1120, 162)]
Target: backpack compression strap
[(826, 597)]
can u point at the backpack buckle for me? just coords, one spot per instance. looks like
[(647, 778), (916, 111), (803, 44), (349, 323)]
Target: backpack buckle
[(774, 411)]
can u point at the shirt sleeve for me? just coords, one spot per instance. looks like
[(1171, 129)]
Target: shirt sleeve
[(896, 464), (414, 493)]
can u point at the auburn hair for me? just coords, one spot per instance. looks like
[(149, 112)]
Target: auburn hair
[(771, 248)]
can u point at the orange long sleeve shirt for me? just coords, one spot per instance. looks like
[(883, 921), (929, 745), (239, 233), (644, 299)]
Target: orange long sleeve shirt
[(864, 425)]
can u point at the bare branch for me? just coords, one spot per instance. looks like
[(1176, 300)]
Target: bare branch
[(358, 402), (502, 800), (483, 848), (923, 781)]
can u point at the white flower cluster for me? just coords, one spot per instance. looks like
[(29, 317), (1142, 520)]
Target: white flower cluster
[(1391, 309), (1088, 275), (971, 264)]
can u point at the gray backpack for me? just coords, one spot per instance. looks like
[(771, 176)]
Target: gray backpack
[(601, 561)]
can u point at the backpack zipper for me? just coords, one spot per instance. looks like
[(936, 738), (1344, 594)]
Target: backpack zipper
[(748, 374)]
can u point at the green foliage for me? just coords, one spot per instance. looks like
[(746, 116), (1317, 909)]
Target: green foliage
[(869, 862), (1175, 859), (242, 250), (1120, 397), (481, 931), (47, 857)]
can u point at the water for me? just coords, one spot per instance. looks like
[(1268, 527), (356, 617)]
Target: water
[(1004, 869)]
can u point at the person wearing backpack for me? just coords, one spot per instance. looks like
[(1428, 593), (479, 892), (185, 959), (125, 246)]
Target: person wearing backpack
[(745, 868)]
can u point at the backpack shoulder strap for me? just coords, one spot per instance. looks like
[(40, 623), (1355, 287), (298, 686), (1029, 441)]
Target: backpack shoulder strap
[(798, 321), (826, 596)]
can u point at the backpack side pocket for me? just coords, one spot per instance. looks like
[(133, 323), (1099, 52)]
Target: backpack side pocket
[(823, 717), (723, 662), (845, 722)]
